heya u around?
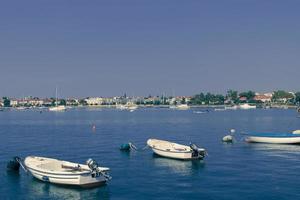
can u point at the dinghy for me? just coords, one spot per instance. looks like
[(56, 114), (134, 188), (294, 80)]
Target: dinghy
[(275, 138), (176, 151), (67, 173)]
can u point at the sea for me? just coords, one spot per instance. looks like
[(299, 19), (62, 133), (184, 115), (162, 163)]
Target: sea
[(230, 171)]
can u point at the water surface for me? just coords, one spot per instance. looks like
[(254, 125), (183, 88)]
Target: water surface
[(231, 171)]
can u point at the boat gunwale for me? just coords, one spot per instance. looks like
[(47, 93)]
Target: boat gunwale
[(273, 135)]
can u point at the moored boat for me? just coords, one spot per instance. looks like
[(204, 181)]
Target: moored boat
[(176, 151), (67, 173), (275, 138), (182, 107), (247, 106)]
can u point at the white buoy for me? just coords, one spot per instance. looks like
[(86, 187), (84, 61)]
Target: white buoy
[(229, 138)]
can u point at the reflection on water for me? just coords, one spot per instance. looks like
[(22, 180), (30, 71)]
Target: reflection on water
[(38, 189), (188, 167), (281, 150)]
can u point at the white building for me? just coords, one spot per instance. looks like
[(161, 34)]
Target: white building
[(93, 101)]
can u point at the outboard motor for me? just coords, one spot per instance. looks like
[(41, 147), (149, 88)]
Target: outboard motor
[(93, 165), (14, 164), (197, 152)]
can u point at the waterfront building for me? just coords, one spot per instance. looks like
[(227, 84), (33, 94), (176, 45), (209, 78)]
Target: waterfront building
[(93, 101)]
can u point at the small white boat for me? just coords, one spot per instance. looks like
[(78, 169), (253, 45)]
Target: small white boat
[(58, 108), (176, 151), (231, 107), (275, 138), (67, 173), (247, 106), (182, 107)]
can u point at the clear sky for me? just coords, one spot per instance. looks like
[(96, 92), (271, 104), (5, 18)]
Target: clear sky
[(141, 47)]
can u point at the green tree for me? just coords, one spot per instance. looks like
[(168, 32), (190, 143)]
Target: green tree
[(249, 95), (6, 102), (281, 95), (232, 95), (297, 97), (62, 102)]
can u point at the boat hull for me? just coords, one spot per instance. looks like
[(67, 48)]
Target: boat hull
[(175, 155), (274, 140), (82, 179), (173, 150)]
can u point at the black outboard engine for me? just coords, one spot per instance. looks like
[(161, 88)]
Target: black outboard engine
[(14, 164), (197, 152), (93, 165)]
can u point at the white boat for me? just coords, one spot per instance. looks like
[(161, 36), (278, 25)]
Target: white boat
[(131, 106), (182, 107), (57, 108), (275, 138), (120, 107), (67, 173), (247, 106), (173, 107), (176, 151), (231, 107)]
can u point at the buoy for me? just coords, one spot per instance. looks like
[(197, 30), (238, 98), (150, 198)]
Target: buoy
[(125, 147), (13, 165), (94, 127), (227, 138)]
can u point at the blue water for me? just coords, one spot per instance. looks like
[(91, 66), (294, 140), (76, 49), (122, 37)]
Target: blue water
[(231, 171)]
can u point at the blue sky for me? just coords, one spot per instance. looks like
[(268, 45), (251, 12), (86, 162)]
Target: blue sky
[(107, 48)]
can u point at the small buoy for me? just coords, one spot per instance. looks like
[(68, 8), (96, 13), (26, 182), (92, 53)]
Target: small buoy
[(232, 131), (227, 138), (13, 165), (125, 147), (94, 127)]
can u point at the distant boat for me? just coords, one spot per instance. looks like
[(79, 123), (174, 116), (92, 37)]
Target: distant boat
[(182, 107), (66, 173), (57, 108), (247, 106), (22, 108), (231, 107), (131, 106), (173, 107), (176, 151), (275, 138), (128, 106)]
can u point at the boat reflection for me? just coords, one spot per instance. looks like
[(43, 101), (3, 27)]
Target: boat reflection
[(39, 190), (179, 166), (281, 150)]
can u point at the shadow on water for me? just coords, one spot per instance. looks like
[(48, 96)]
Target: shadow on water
[(182, 167), (280, 150), (38, 189), (41, 190)]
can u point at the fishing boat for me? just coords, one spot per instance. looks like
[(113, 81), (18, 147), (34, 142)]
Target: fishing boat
[(176, 151), (67, 173), (275, 138)]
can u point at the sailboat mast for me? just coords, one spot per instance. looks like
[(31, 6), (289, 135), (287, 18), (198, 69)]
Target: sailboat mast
[(56, 102)]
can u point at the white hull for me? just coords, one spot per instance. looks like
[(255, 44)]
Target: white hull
[(247, 107), (173, 150), (175, 155), (183, 107), (274, 140), (50, 170), (58, 108)]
